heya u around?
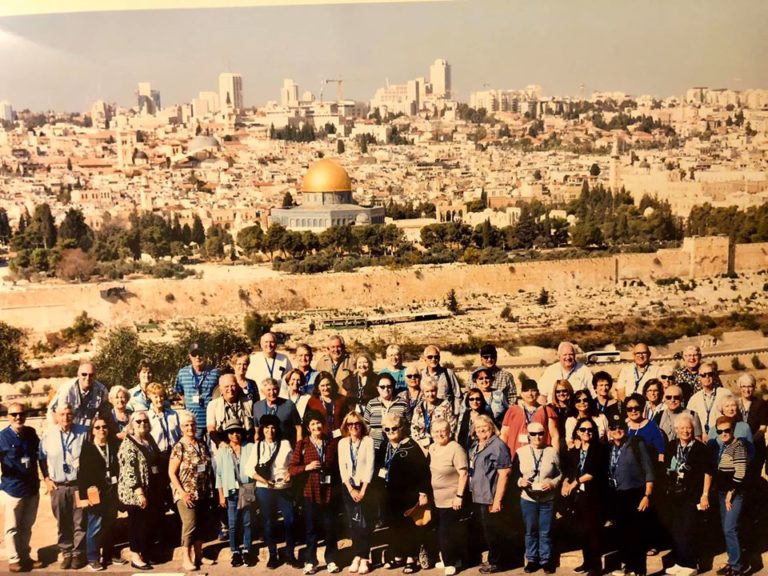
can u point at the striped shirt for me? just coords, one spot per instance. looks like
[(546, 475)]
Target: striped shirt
[(374, 413), (197, 391), (731, 466)]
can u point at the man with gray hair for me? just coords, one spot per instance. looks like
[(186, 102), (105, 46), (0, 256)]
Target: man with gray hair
[(268, 362), (448, 387), (87, 396), (59, 456), (566, 368), (673, 406), (20, 487)]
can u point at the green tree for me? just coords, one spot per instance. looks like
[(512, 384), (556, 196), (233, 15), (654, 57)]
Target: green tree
[(288, 200), (340, 148), (543, 298), (5, 227), (12, 342), (198, 232), (451, 302), (273, 239), (250, 239), (256, 325), (594, 170), (74, 231)]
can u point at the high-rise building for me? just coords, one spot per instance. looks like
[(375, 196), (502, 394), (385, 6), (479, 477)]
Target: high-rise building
[(289, 94), (230, 92), (6, 111), (147, 99), (440, 78)]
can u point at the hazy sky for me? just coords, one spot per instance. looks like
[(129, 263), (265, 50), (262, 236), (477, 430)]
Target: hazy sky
[(66, 62)]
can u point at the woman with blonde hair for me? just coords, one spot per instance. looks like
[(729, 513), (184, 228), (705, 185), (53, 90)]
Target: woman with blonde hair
[(356, 463), (119, 397)]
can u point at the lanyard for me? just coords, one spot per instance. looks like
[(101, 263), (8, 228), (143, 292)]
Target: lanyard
[(566, 377), (427, 417), (233, 410), (529, 415), (166, 428), (335, 368), (682, 455), (639, 377), (198, 451), (198, 381), (320, 451), (329, 417), (353, 454), (66, 444), (104, 454), (271, 368), (745, 410), (272, 410), (236, 463), (708, 407), (536, 464), (615, 455), (582, 461), (391, 453), (360, 387), (601, 407)]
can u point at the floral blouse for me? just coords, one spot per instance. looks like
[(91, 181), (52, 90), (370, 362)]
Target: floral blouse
[(423, 418), (195, 471)]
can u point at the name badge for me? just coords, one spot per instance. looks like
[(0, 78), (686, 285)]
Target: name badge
[(383, 473), (196, 398), (111, 479), (522, 438), (87, 423), (25, 461), (201, 467), (155, 470), (326, 479), (336, 433)]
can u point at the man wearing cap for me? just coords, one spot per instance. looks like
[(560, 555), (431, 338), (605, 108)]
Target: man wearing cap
[(632, 378), (673, 405), (59, 455), (514, 428), (20, 487), (195, 384), (227, 407), (566, 368), (268, 362), (500, 379), (687, 376), (631, 479), (87, 396), (338, 362)]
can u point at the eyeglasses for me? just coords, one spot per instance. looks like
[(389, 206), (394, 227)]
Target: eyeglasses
[(666, 377), (354, 424), (388, 429), (616, 428), (581, 401), (633, 408), (475, 399), (433, 357), (488, 357), (413, 376), (141, 421), (706, 374), (562, 392), (587, 430), (86, 374), (673, 397), (642, 353), (535, 433), (385, 387), (195, 354), (482, 379), (17, 414), (724, 430), (102, 427)]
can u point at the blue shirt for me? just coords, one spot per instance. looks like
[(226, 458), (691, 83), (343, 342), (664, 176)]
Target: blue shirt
[(484, 466), (197, 390), (227, 478), (286, 412), (138, 399), (85, 406), (399, 376), (18, 458), (60, 452)]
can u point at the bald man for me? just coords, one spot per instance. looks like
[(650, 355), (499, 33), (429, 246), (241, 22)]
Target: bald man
[(566, 368), (268, 362), (87, 396), (632, 378)]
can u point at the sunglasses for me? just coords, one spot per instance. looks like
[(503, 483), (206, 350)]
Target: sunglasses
[(385, 387), (672, 397), (581, 401), (535, 433), (616, 428), (86, 374), (195, 354), (706, 375), (562, 392), (724, 430), (475, 399), (587, 430), (633, 408), (388, 429), (482, 379), (666, 377), (488, 357), (413, 376), (141, 421), (354, 424), (100, 427), (433, 357), (17, 414)]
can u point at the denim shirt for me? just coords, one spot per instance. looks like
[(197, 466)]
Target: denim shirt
[(226, 475)]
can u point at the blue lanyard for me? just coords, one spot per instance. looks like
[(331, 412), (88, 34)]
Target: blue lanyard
[(536, 463), (427, 417), (615, 455), (582, 461), (320, 451), (66, 445), (272, 368), (639, 377), (708, 407), (353, 454), (682, 455), (329, 413), (529, 415)]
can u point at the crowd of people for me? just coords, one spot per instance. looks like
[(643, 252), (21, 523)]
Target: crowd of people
[(663, 455)]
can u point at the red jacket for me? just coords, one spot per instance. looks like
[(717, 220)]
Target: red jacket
[(318, 482)]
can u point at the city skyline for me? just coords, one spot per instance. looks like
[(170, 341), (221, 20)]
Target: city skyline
[(66, 62)]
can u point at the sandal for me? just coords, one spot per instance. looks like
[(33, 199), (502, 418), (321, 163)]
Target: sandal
[(394, 563), (410, 567)]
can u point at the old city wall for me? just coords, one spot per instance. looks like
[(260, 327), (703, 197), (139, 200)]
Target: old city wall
[(52, 307)]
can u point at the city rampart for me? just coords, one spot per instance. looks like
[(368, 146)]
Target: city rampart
[(233, 292)]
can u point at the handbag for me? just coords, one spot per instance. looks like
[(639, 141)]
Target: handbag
[(264, 469), (246, 495)]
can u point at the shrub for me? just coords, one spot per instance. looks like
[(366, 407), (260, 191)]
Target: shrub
[(170, 297), (757, 363), (736, 364)]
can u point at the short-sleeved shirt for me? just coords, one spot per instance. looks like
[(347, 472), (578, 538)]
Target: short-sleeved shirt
[(632, 379), (444, 465), (165, 428), (195, 471), (138, 399), (18, 459), (484, 466), (517, 419), (399, 376), (260, 367), (61, 452), (286, 412), (85, 405), (197, 390), (579, 376)]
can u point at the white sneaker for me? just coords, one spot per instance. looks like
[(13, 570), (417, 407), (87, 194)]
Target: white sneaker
[(355, 566), (309, 568), (619, 572), (332, 567), (687, 571), (439, 565), (450, 570), (674, 570)]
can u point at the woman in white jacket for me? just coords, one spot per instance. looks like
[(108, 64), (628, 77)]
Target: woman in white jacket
[(356, 460)]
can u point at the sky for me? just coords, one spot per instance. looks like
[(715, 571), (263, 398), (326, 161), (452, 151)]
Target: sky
[(65, 62)]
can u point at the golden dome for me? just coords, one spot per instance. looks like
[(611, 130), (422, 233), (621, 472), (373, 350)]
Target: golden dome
[(326, 176)]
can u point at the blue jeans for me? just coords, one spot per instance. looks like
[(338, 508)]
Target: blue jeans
[(244, 517), (537, 517), (269, 501), (98, 534), (316, 515), (730, 524)]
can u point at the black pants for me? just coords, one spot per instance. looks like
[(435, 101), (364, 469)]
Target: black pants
[(631, 528), (139, 521), (361, 520), (589, 512), (682, 522), (450, 534), (494, 530)]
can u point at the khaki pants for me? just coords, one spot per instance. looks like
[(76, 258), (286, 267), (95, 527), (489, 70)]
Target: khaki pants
[(20, 515)]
